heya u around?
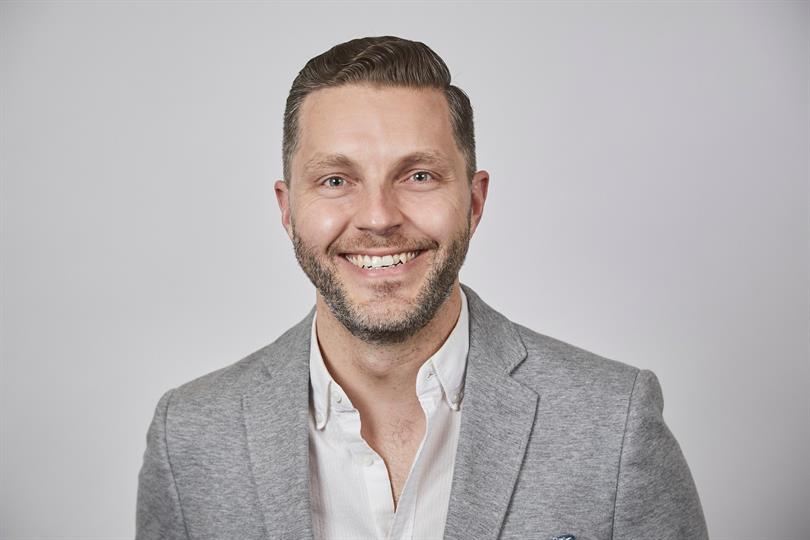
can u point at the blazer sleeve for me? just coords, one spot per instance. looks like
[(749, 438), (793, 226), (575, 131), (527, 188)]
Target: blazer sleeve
[(158, 514), (656, 496)]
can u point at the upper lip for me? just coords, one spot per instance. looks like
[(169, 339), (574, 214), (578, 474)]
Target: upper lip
[(380, 252)]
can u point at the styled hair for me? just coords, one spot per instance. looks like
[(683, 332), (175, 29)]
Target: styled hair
[(383, 61)]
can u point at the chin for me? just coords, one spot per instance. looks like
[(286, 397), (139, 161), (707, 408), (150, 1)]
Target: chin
[(384, 310), (382, 296), (384, 320)]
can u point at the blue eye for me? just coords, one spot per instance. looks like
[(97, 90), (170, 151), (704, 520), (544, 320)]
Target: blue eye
[(421, 176), (334, 181)]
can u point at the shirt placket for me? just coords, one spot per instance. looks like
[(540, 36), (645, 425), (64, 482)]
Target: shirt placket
[(369, 464), (429, 393)]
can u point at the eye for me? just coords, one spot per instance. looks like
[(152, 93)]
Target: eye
[(334, 181), (421, 177)]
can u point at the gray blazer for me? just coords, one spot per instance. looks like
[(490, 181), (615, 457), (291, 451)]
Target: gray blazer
[(554, 441)]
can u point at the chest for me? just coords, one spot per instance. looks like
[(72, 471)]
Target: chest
[(398, 472), (397, 442)]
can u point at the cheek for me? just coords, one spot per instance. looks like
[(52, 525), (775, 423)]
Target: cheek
[(320, 222), (438, 216)]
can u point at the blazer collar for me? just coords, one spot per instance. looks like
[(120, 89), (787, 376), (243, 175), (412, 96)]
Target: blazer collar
[(275, 409), (496, 422)]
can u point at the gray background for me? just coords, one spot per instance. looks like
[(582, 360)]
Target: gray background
[(649, 202)]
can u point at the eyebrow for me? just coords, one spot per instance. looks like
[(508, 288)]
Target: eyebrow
[(435, 159), (325, 161)]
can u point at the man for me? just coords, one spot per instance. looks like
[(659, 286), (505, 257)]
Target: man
[(403, 406)]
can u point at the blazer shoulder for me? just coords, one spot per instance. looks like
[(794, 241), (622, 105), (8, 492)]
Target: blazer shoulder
[(212, 391), (555, 362)]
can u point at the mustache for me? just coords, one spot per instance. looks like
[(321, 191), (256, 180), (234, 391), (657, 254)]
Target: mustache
[(371, 241)]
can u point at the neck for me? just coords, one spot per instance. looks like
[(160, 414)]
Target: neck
[(382, 373)]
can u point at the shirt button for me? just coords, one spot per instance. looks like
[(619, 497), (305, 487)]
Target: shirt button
[(318, 418), (367, 461), (429, 375), (337, 397), (456, 398)]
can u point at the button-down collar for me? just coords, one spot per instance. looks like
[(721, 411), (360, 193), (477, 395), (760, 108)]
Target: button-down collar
[(443, 372)]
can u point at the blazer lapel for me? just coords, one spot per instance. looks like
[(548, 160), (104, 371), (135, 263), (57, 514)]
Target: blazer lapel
[(497, 419), (276, 417)]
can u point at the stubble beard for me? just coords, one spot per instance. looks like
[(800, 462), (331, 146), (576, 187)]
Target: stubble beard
[(384, 330)]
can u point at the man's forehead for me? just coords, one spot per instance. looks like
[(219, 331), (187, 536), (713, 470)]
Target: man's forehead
[(362, 91), (363, 106), (359, 122)]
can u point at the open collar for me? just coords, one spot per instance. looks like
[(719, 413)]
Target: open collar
[(447, 365)]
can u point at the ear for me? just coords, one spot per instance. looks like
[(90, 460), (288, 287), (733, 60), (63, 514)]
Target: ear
[(283, 198), (478, 196)]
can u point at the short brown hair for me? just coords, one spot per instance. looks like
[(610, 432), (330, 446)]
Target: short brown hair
[(385, 61)]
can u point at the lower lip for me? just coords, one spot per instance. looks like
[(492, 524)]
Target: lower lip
[(381, 273)]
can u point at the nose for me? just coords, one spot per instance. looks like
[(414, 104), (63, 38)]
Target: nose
[(378, 211)]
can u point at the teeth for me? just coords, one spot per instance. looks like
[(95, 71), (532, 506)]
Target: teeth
[(374, 261)]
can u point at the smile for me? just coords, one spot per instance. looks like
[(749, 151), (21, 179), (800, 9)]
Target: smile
[(385, 261)]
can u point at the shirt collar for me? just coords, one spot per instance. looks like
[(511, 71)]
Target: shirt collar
[(447, 365)]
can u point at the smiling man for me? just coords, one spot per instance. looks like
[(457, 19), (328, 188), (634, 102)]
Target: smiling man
[(403, 406)]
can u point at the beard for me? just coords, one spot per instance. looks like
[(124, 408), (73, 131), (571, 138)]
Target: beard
[(391, 327)]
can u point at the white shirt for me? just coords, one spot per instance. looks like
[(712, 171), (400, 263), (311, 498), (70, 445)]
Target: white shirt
[(349, 486)]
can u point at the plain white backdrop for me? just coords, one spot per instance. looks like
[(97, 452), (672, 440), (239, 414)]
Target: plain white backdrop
[(650, 202)]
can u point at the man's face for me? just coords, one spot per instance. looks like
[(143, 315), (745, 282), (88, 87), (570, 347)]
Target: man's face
[(379, 207)]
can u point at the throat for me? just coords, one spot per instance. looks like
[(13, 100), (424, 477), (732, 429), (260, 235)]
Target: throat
[(396, 440)]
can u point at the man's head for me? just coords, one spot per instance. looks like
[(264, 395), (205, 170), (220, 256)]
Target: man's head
[(378, 196), (380, 61)]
